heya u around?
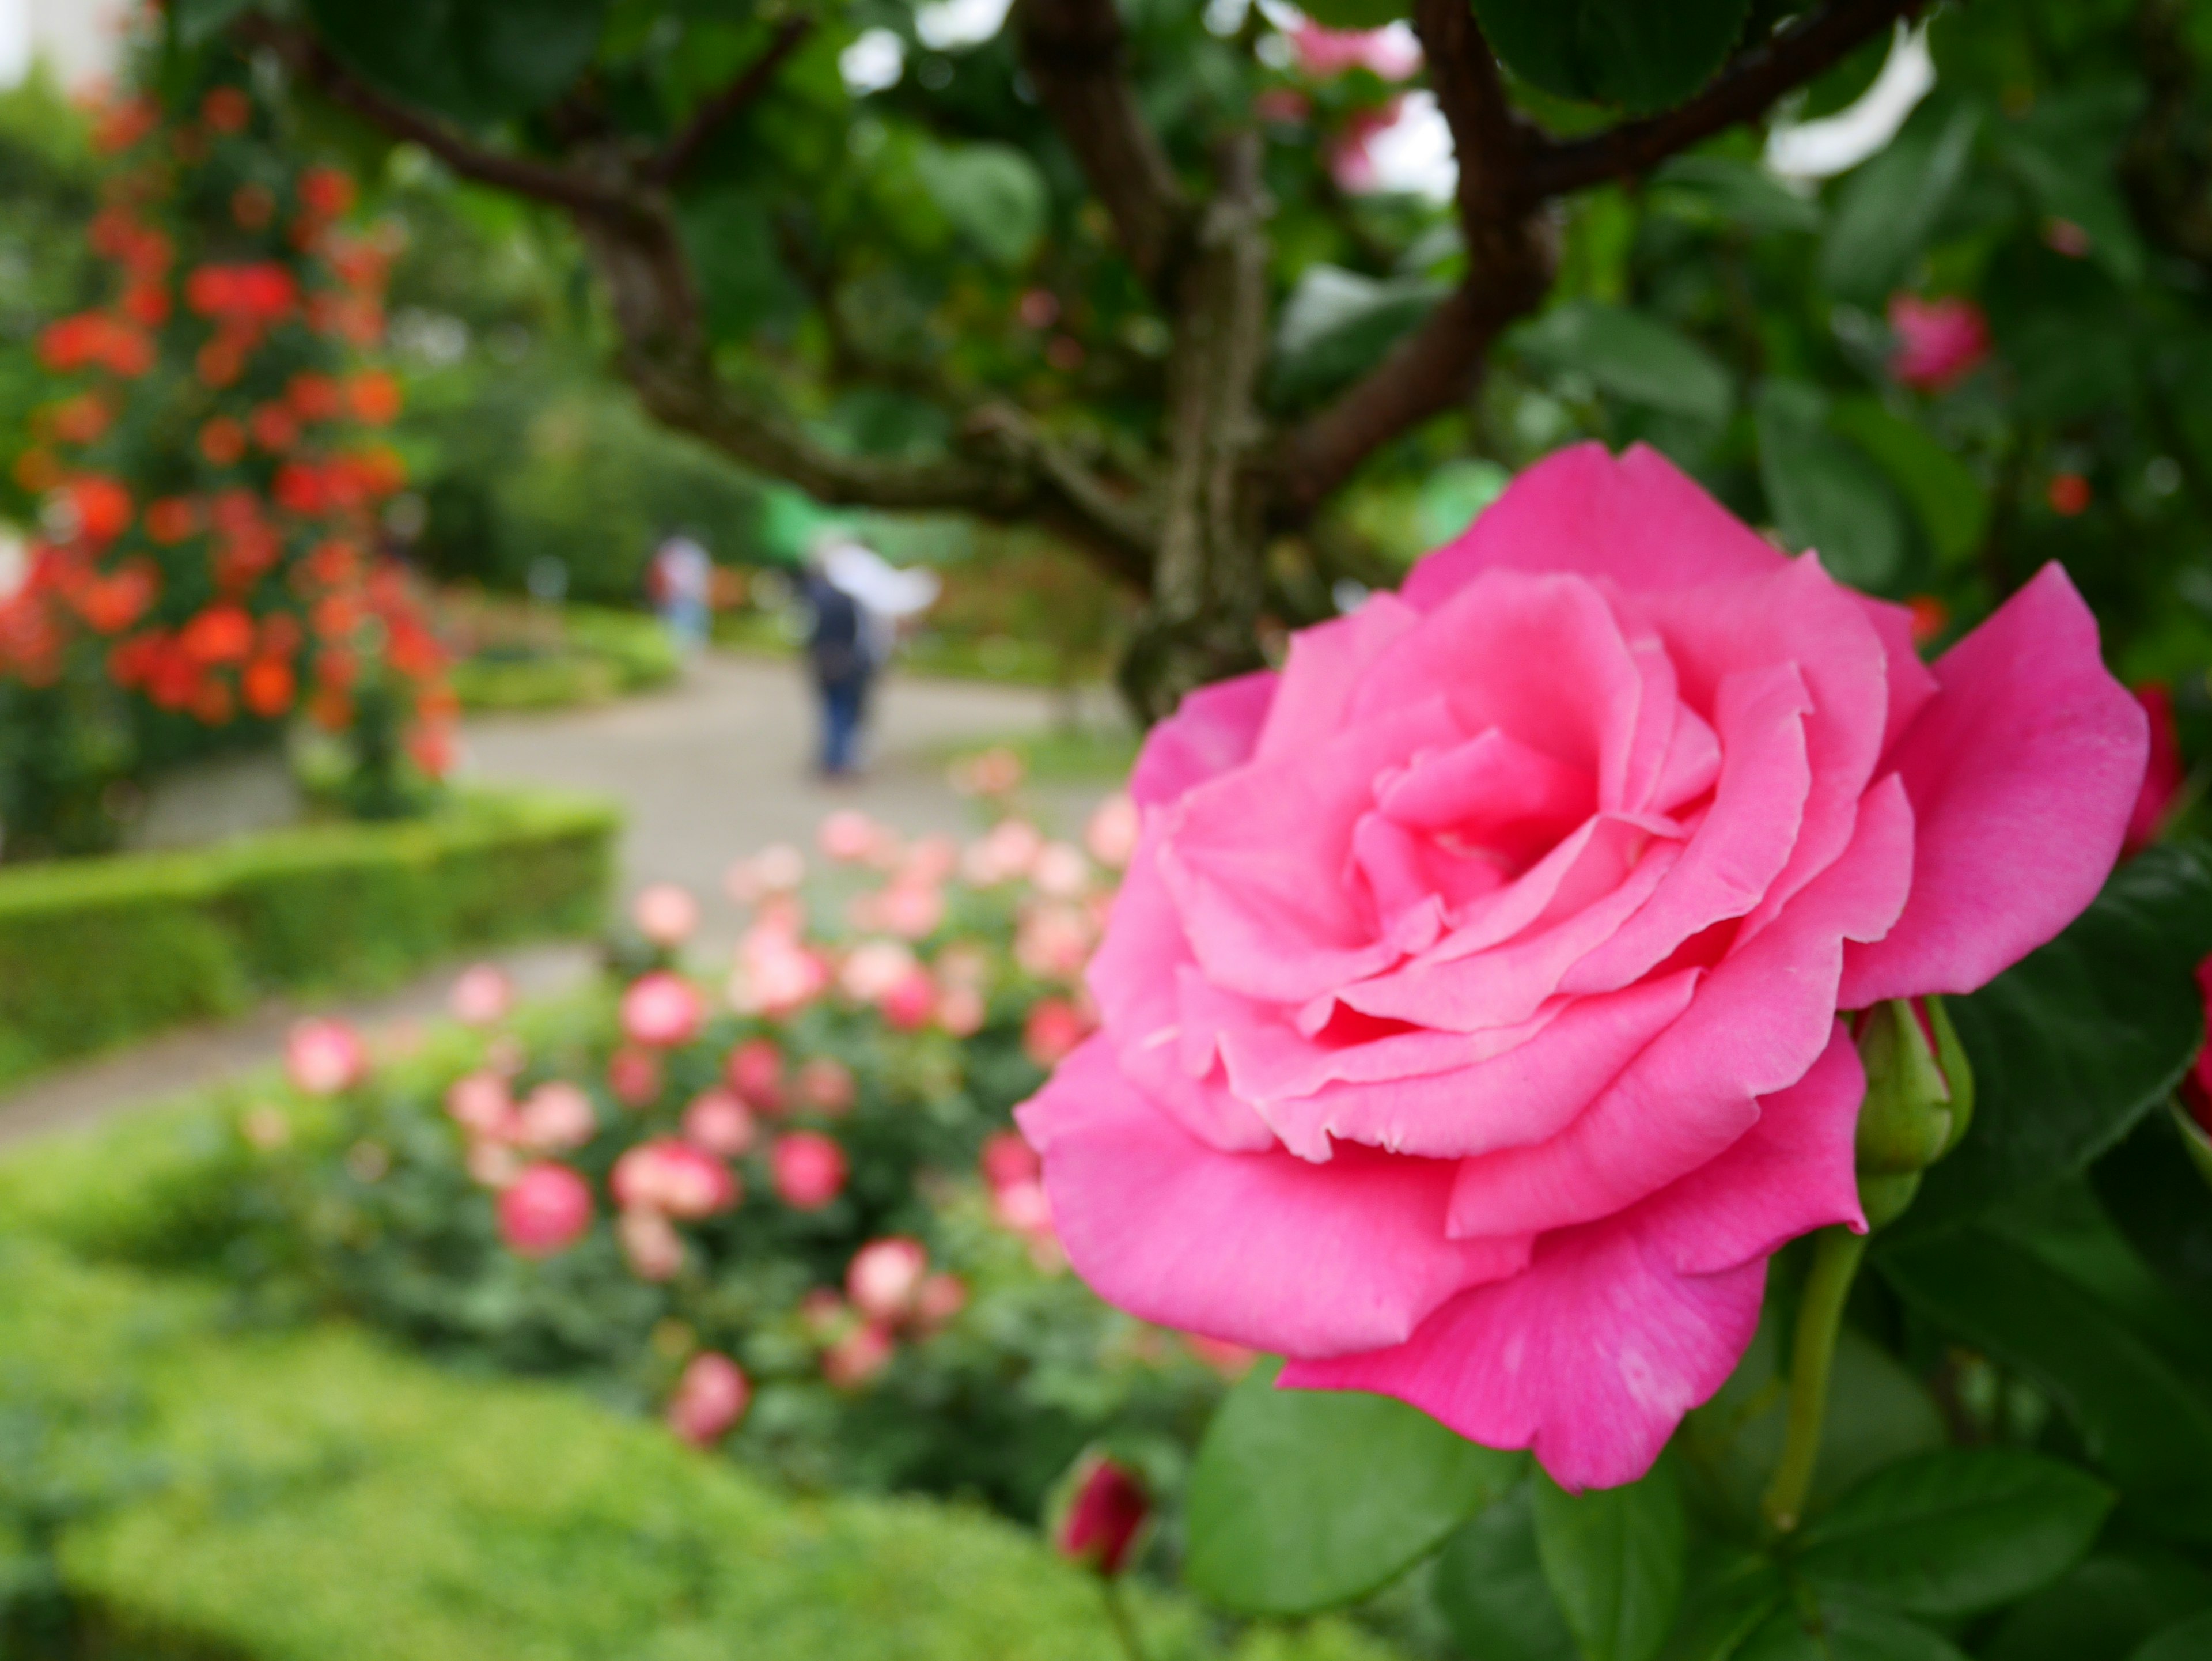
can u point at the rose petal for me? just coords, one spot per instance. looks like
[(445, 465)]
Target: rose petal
[(2022, 772), (1258, 1249), (1215, 728), (1324, 666)]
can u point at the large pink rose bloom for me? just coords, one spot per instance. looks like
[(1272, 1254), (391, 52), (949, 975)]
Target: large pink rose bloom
[(1469, 1013)]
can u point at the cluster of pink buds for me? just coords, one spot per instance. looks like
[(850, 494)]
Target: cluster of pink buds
[(1015, 1175), (890, 1294)]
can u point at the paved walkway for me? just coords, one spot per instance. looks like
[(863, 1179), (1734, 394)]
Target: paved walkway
[(708, 771)]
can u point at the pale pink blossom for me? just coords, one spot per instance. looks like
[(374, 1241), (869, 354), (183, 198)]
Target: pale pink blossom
[(546, 1208), (1061, 871), (665, 914), (1393, 53), (674, 1177), (929, 860), (755, 1071), (774, 975), (961, 1011), (1111, 836), (885, 1277), (998, 771), (492, 1165), (942, 1297), (826, 1084), (873, 967), (323, 1057), (779, 868), (661, 1010), (719, 1122), (556, 1116), (859, 1356), (650, 1244), (1008, 1160), (1054, 939), (908, 1006), (480, 1104), (1003, 854), (482, 995), (910, 909), (710, 1399), (851, 838), (634, 1076), (809, 1170)]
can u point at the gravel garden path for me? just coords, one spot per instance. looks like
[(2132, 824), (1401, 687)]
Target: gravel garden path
[(708, 770)]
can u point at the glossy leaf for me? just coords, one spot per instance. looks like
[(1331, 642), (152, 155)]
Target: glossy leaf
[(993, 195), (1614, 51), (1949, 502), (1887, 212), (1826, 495), (1338, 323), (1841, 1630), (2103, 1609), (2140, 1420), (1490, 1586), (1632, 357), (1303, 1499), (2188, 1640), (474, 60), (1616, 1559), (2077, 1042), (1956, 1531)]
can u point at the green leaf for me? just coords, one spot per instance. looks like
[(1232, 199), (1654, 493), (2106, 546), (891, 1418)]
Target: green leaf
[(2103, 1609), (475, 60), (1338, 323), (1955, 1532), (198, 22), (993, 195), (1491, 1589), (1303, 1499), (1616, 1559), (1953, 507), (1888, 208), (1614, 51), (1631, 356), (1356, 14), (2156, 1198), (1839, 1630), (2140, 1421), (1737, 193), (2190, 1640), (1826, 495), (742, 277), (1723, 1608), (2066, 152), (2072, 1046)]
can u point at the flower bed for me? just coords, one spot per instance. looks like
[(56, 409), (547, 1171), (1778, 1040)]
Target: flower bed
[(99, 950), (510, 655)]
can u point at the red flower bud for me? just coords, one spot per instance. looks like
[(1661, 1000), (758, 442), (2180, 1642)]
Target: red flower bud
[(1107, 1510)]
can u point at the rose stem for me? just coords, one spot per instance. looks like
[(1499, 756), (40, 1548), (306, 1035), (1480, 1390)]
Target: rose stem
[(1125, 1628), (1835, 1254)]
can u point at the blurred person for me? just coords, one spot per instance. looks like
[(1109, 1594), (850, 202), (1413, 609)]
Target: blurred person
[(681, 581), (857, 599)]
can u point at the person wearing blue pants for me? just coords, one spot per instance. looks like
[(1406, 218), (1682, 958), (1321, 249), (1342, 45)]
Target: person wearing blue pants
[(837, 653)]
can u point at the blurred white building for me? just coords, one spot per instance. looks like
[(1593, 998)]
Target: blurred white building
[(77, 40)]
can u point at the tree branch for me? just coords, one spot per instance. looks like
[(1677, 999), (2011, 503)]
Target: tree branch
[(1072, 50), (1747, 87), (711, 116), (309, 60), (1509, 268)]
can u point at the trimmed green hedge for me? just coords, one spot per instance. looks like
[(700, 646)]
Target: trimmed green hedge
[(95, 952), (314, 1494), (605, 654)]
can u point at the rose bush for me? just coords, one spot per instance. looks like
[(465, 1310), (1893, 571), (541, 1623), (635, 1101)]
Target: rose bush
[(1469, 1014)]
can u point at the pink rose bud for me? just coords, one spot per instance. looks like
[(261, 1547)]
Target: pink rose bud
[(1106, 1511), (651, 1244), (859, 1356), (479, 1103), (1938, 341), (942, 1297), (1061, 871), (2166, 775), (1524, 902), (884, 1277), (911, 910), (482, 995), (323, 1057), (908, 1006), (665, 914), (555, 1116), (719, 1122), (661, 1011), (1008, 1160), (710, 1399), (928, 861), (755, 1070), (1392, 53), (873, 968), (634, 1076), (850, 838), (546, 1208), (826, 1084), (961, 1011), (674, 1178), (1022, 1208), (1054, 1029), (776, 869), (2197, 1083), (1111, 836), (808, 1168)]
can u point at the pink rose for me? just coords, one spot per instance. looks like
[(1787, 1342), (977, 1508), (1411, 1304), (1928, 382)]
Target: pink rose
[(826, 1084), (661, 1011), (808, 1170), (1468, 1014), (323, 1057), (710, 1398), (2166, 773), (665, 914), (634, 1076), (941, 1297), (556, 1116), (651, 1244), (673, 1179), (908, 1005), (1938, 341), (755, 1070), (859, 1356), (482, 995), (1111, 836), (1008, 1160), (545, 1209), (719, 1122), (479, 1103), (1054, 1027), (884, 1277), (1393, 53)]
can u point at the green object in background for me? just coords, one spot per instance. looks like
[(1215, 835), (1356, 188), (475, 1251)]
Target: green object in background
[(1454, 494), (98, 951), (602, 654), (789, 522)]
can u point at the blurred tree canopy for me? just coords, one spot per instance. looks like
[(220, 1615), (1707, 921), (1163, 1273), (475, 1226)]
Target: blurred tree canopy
[(1117, 270)]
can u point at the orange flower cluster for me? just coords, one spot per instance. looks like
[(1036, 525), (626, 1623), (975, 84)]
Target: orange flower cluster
[(235, 576)]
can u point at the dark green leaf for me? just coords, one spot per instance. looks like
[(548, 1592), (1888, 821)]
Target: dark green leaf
[(1357, 14), (1301, 1499), (2103, 1609), (2154, 1196), (197, 21), (1953, 507), (993, 195), (1839, 1630), (1955, 1532), (1887, 209), (732, 247), (1737, 193), (1632, 357), (1614, 51), (2191, 1641), (2074, 1043), (474, 60), (2138, 1419), (1616, 1559), (1491, 1589), (2066, 151), (1338, 323), (1725, 1608), (1826, 495)]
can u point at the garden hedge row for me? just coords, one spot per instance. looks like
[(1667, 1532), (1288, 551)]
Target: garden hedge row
[(94, 951), (314, 1494), (605, 654)]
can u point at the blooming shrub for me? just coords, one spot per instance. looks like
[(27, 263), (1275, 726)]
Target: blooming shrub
[(208, 479), (783, 1207)]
